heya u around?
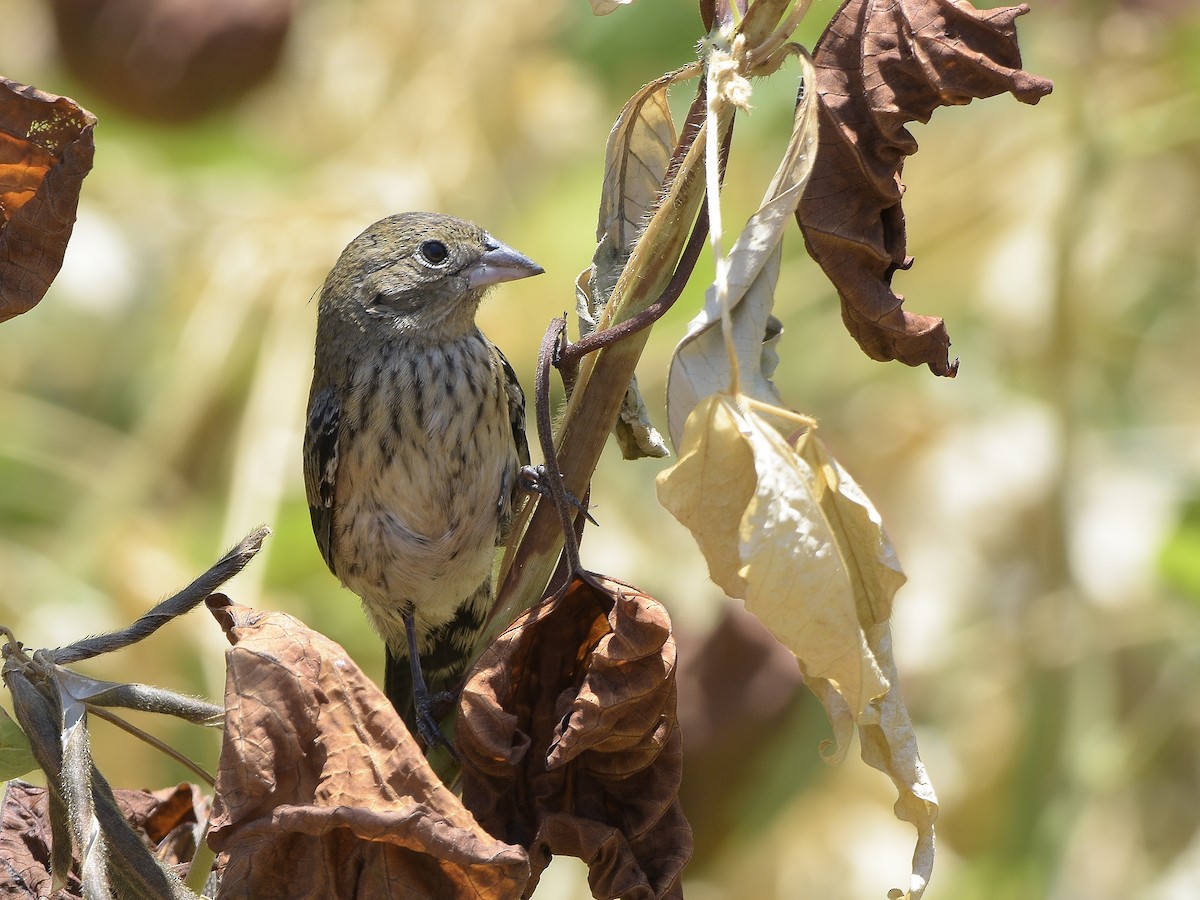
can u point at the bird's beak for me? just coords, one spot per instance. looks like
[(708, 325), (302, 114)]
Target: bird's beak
[(500, 262)]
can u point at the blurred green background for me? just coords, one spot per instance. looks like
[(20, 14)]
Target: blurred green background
[(1045, 504)]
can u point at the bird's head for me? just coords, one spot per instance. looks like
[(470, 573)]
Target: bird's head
[(424, 272)]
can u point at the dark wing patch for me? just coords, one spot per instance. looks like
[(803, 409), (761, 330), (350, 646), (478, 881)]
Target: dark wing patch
[(320, 465), (516, 409), (509, 499)]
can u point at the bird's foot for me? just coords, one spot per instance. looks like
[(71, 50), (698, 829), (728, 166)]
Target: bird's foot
[(428, 727), (536, 479)]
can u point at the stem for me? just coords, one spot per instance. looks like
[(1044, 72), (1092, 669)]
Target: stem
[(715, 228), (572, 353), (604, 377), (150, 739), (791, 415), (201, 865), (541, 401)]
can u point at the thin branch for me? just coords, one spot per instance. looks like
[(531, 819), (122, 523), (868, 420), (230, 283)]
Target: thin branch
[(150, 739), (551, 343)]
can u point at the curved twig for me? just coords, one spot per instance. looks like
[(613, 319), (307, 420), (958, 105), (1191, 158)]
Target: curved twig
[(549, 355), (572, 353)]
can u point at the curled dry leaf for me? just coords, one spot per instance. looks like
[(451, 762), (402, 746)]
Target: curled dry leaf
[(25, 845), (636, 159), (879, 67), (321, 790), (166, 820), (570, 742), (764, 515), (46, 150), (786, 529)]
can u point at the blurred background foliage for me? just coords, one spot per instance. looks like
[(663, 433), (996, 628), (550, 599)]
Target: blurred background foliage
[(1046, 503)]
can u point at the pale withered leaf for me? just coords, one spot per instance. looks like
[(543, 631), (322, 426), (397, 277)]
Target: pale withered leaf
[(786, 529), (700, 365)]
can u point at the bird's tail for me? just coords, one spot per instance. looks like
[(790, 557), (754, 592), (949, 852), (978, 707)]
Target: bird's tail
[(445, 652)]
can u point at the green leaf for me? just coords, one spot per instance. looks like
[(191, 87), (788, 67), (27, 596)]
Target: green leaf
[(16, 758)]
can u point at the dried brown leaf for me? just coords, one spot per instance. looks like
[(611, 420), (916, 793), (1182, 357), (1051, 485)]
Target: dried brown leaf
[(158, 817), (25, 855), (879, 67), (168, 818), (45, 151), (568, 732), (321, 790)]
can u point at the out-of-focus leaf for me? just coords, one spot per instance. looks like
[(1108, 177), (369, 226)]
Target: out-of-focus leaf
[(739, 687), (591, 770), (45, 151), (15, 756), (700, 365), (322, 791), (879, 67), (172, 60), (168, 818), (788, 531), (604, 7), (1179, 557)]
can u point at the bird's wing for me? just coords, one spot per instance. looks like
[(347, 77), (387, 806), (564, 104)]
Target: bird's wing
[(320, 464), (516, 409)]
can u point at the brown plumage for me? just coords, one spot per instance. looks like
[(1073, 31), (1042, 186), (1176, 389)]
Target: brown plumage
[(415, 437)]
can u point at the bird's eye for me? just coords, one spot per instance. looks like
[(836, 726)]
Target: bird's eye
[(434, 252)]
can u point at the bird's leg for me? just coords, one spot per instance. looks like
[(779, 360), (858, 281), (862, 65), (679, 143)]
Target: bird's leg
[(535, 479), (427, 723)]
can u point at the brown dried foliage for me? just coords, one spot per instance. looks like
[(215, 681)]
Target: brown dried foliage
[(570, 741), (879, 67), (321, 790), (166, 821), (46, 150)]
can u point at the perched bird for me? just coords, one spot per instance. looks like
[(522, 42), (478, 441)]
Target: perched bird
[(415, 442)]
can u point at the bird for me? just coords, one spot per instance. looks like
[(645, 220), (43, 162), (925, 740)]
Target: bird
[(415, 444)]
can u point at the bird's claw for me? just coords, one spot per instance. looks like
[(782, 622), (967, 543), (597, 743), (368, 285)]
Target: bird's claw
[(428, 728), (535, 479)]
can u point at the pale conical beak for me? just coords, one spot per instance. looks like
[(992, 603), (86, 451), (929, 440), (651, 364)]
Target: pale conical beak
[(500, 262)]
